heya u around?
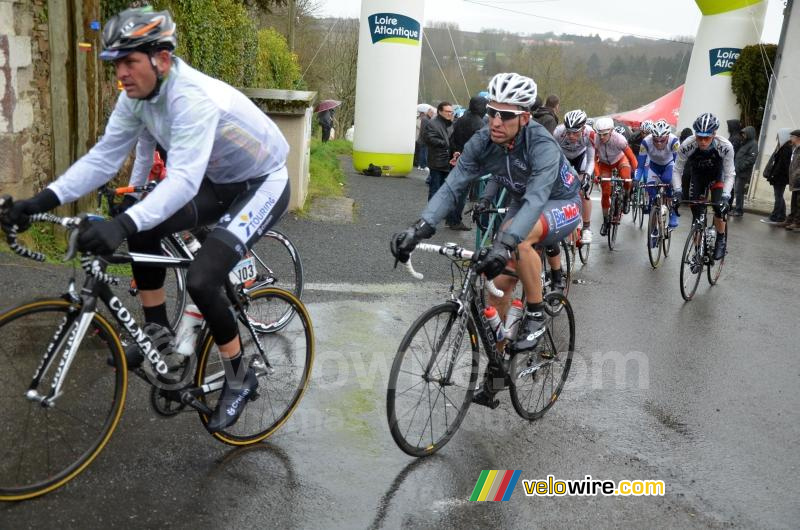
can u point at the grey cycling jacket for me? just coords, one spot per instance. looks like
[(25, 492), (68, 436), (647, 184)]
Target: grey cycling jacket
[(533, 170)]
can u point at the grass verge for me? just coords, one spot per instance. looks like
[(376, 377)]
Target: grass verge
[(327, 177)]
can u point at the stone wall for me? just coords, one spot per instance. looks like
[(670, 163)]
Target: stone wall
[(25, 152)]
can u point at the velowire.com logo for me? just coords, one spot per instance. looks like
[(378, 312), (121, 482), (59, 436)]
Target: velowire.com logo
[(495, 485)]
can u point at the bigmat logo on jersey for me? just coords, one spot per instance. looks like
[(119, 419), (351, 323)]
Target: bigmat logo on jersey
[(391, 27), (721, 60)]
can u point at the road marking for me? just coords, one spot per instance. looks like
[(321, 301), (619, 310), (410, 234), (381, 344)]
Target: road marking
[(370, 288)]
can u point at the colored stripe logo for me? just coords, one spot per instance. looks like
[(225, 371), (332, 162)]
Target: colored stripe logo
[(495, 485)]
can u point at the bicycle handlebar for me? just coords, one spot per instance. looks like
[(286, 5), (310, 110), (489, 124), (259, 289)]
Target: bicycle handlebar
[(88, 263), (453, 251), (612, 179)]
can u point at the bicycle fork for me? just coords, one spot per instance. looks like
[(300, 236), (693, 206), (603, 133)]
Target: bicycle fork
[(66, 339)]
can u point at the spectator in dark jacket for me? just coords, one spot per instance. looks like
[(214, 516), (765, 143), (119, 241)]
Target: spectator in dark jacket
[(325, 119), (743, 161), (468, 124), (463, 129), (437, 138), (735, 134), (777, 174), (548, 114), (793, 220)]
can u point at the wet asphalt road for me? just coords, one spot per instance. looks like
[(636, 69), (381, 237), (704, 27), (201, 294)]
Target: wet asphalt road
[(702, 395)]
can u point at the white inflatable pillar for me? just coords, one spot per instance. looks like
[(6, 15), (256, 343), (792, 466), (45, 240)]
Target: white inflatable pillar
[(387, 81), (727, 26)]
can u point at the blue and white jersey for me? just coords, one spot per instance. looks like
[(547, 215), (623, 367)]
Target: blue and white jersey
[(650, 152)]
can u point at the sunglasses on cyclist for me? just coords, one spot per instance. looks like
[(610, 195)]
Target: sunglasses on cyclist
[(505, 115)]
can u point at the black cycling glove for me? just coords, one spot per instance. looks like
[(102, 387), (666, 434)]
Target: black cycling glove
[(492, 262), (18, 214), (103, 237), (403, 243), (480, 208)]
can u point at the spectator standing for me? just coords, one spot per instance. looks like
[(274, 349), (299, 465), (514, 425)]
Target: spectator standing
[(420, 150), (547, 115), (744, 160), (777, 174), (735, 134), (793, 220), (463, 129), (436, 134), (325, 119)]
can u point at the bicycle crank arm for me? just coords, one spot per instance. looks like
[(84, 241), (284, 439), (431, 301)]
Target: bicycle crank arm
[(188, 398)]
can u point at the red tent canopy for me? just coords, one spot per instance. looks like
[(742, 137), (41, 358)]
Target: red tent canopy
[(667, 107)]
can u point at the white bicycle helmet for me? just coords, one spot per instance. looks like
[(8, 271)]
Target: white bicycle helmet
[(575, 120), (647, 126), (512, 88), (660, 129), (603, 125)]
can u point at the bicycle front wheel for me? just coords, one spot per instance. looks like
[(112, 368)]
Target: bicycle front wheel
[(666, 242), (432, 380), (691, 263), (46, 446), (715, 267), (281, 385), (538, 377), (654, 236)]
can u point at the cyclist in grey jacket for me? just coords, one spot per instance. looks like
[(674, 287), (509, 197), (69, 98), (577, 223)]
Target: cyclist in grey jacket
[(545, 206)]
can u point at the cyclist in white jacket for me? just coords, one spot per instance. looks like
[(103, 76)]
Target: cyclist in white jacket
[(226, 164)]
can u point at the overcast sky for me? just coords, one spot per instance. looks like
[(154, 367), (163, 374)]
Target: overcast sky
[(609, 18)]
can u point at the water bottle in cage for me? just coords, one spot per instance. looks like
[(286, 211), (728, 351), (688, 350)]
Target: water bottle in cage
[(495, 323), (188, 330), (513, 319)]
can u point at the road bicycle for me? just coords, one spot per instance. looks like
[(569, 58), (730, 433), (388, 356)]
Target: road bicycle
[(435, 371), (282, 267), (698, 252), (615, 211), (659, 235), (62, 400), (640, 199)]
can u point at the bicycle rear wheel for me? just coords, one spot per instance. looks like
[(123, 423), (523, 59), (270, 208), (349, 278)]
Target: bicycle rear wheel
[(583, 252), (538, 377), (654, 236), (715, 267), (432, 380), (44, 447), (278, 264), (691, 263), (281, 386)]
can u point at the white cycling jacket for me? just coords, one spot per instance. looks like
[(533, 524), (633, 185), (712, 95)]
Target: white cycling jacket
[(208, 128)]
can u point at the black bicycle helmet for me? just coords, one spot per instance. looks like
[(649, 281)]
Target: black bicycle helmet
[(138, 29)]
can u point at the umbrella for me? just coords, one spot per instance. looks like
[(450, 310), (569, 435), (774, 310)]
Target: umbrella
[(328, 104)]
